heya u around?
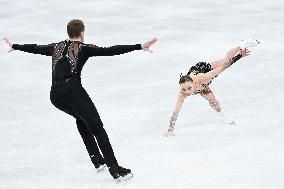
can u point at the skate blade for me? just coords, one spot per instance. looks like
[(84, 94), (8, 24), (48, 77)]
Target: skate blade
[(101, 168), (233, 123), (124, 179)]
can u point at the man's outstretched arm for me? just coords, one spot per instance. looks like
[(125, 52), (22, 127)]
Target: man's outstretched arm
[(92, 50), (46, 50), (31, 48)]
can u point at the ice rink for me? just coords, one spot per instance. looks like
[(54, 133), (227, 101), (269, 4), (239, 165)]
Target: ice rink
[(40, 147)]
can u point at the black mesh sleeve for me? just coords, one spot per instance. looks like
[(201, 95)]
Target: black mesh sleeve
[(236, 58), (233, 60)]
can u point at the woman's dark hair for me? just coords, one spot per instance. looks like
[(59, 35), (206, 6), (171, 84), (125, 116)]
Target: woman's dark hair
[(184, 78), (75, 27)]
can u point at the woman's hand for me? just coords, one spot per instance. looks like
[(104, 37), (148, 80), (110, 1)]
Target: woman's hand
[(168, 134), (244, 52), (9, 42), (145, 46)]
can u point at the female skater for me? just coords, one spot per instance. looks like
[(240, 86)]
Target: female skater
[(68, 95), (198, 78)]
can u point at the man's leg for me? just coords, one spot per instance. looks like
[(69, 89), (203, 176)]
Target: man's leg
[(84, 107), (62, 103), (88, 138), (90, 143)]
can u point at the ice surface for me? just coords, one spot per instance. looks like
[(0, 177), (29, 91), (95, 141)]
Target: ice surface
[(135, 93)]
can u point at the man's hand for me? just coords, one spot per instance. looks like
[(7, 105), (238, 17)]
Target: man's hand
[(145, 46), (168, 134), (9, 42), (244, 52)]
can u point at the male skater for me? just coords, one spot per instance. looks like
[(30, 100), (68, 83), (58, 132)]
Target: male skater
[(68, 95)]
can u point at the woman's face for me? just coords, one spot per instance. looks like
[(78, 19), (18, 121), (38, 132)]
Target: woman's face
[(187, 87)]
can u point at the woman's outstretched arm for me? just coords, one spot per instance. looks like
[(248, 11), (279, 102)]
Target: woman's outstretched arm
[(180, 100), (46, 50), (206, 77)]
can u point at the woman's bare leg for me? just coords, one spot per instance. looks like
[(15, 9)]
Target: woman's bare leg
[(230, 54), (209, 96)]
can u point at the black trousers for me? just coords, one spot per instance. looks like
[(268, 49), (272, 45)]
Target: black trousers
[(73, 99)]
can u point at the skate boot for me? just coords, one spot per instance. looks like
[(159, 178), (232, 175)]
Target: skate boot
[(248, 43), (120, 174), (99, 162)]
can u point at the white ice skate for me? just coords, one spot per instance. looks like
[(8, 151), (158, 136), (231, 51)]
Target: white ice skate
[(227, 118), (248, 43), (101, 168), (124, 178), (120, 174)]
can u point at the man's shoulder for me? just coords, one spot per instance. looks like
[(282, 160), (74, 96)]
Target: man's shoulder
[(80, 45), (60, 43), (89, 45)]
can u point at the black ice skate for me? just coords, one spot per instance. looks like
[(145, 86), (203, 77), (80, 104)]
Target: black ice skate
[(120, 174), (99, 162)]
